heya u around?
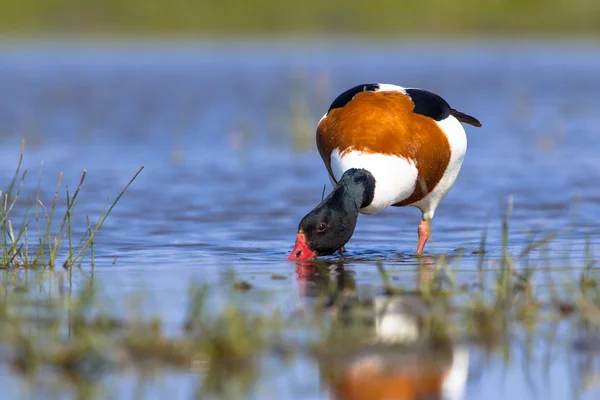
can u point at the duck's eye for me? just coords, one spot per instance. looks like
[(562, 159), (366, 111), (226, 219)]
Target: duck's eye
[(321, 227)]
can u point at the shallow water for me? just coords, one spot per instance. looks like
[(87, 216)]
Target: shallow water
[(226, 135)]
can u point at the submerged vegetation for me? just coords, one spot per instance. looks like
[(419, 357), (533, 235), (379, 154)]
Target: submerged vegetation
[(77, 340), (50, 327)]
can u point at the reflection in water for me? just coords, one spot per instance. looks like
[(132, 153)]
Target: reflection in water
[(397, 357), (316, 278), (424, 272)]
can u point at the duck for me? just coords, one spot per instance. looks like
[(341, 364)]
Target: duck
[(383, 145)]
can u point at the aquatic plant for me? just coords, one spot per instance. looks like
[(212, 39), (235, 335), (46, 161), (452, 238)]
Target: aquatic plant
[(34, 241)]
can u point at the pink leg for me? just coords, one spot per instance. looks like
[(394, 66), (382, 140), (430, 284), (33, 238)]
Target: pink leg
[(423, 235)]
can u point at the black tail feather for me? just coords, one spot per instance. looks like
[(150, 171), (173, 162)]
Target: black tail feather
[(467, 119)]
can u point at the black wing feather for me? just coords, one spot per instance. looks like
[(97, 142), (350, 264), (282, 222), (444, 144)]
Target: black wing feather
[(433, 106)]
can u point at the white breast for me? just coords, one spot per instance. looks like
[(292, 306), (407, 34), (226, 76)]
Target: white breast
[(395, 176)]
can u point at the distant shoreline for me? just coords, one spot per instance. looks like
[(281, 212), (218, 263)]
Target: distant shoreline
[(183, 42), (276, 18)]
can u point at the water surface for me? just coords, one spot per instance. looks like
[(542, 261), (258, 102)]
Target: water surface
[(226, 135)]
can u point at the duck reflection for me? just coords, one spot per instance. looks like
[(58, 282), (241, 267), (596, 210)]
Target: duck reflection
[(317, 279), (398, 356)]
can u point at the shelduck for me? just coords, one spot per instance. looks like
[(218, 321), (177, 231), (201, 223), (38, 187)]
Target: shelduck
[(383, 145)]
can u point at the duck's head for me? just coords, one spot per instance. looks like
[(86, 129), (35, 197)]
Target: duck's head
[(330, 225), (323, 231)]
